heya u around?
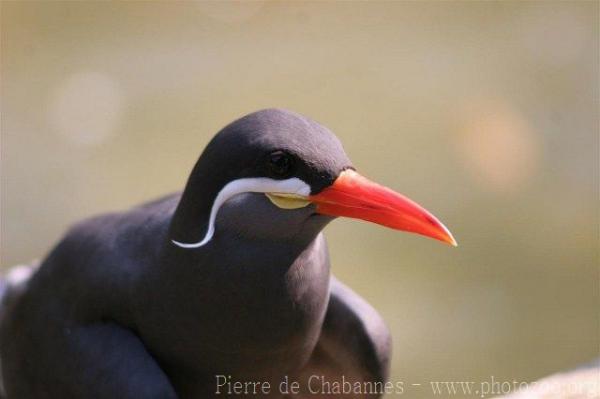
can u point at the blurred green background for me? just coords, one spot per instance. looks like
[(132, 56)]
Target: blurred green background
[(486, 113)]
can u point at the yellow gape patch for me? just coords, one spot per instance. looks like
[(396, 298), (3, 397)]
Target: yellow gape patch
[(287, 201)]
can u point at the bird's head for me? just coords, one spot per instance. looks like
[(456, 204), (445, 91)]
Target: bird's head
[(274, 174)]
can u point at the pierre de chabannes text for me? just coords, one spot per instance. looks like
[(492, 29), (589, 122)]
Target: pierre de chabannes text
[(314, 384)]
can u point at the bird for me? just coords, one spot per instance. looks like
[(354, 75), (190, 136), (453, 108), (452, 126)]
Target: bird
[(221, 290)]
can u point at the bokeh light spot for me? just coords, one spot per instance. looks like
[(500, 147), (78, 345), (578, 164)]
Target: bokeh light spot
[(498, 147), (86, 107)]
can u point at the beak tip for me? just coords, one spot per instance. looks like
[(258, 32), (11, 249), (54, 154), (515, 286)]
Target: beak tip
[(448, 238)]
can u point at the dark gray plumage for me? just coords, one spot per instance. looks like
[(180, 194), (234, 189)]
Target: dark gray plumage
[(116, 310)]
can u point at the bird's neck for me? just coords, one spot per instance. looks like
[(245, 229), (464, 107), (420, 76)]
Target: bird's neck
[(190, 220)]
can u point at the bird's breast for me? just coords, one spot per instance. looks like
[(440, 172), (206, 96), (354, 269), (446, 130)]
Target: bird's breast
[(257, 313)]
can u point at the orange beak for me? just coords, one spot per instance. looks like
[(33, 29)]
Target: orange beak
[(355, 196)]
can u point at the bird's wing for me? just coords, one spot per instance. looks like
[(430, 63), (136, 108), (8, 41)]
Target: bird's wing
[(101, 361), (14, 282), (11, 285), (354, 347)]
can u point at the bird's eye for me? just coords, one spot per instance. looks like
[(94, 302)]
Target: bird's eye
[(280, 164)]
